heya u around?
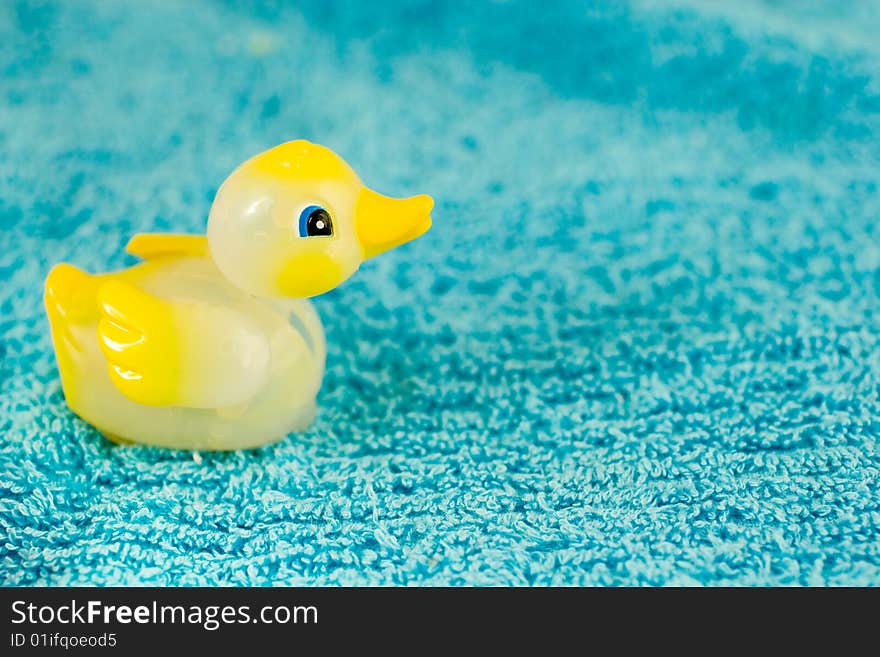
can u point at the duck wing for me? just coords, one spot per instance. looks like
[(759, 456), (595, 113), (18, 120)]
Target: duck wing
[(150, 246), (180, 353)]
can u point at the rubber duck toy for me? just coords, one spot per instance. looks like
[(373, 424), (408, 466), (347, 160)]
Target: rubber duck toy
[(211, 342)]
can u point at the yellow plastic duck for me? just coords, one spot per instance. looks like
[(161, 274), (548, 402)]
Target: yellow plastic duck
[(210, 343)]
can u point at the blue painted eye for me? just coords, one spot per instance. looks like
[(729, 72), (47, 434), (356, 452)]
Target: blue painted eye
[(314, 221)]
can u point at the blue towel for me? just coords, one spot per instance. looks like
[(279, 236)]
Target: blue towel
[(639, 346)]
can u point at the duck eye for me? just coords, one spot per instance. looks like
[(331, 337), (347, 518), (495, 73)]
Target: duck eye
[(315, 221)]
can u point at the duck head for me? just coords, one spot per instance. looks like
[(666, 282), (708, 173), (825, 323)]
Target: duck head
[(296, 221)]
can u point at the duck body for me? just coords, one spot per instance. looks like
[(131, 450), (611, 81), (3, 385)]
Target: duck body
[(262, 358), (211, 343)]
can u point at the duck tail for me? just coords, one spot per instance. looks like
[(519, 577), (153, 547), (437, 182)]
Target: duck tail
[(70, 294), (70, 299)]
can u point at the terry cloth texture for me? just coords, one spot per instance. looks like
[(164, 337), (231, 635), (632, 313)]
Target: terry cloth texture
[(641, 344)]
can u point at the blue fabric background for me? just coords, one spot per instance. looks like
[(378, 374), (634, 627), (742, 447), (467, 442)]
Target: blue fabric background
[(639, 346)]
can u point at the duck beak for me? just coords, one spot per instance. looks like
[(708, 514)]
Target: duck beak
[(382, 222)]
